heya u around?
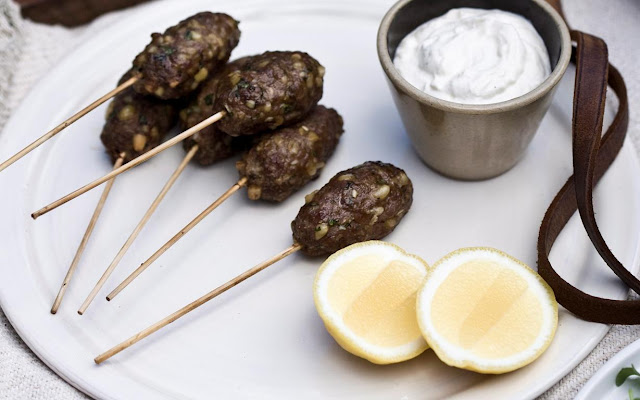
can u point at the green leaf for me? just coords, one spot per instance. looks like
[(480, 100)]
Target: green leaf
[(625, 373)]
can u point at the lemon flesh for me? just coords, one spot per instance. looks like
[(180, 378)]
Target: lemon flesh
[(366, 296), (485, 311)]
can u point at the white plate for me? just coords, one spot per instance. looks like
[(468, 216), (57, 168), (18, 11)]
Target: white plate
[(602, 384), (264, 339)]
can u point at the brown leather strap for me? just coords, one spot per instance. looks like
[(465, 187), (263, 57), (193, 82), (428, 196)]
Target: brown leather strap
[(587, 127), (558, 7), (592, 156)]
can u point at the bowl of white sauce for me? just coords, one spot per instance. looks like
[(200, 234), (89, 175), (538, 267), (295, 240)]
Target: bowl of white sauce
[(472, 79)]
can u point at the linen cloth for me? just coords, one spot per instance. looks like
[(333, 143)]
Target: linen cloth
[(28, 50)]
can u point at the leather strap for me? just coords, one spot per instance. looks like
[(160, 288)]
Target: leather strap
[(558, 7), (592, 156)]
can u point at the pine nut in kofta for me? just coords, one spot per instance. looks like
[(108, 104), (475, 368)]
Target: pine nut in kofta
[(175, 62), (135, 123), (285, 160), (273, 89), (362, 203), (213, 144)]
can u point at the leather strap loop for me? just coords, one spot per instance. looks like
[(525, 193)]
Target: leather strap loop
[(588, 113), (592, 157)]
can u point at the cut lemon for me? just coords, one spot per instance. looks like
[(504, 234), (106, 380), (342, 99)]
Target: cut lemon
[(366, 296), (482, 310)]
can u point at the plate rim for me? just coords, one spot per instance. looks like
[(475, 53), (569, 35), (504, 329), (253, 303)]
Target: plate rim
[(612, 364)]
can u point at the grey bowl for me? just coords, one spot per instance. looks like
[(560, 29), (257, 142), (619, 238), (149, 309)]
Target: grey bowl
[(465, 141)]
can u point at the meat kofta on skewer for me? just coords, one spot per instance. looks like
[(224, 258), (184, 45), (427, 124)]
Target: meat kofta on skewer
[(272, 88), (269, 90), (134, 125), (170, 67), (176, 62), (363, 203), (278, 165), (205, 147), (282, 162), (213, 144)]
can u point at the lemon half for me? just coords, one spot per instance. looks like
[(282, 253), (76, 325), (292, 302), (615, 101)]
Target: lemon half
[(483, 310), (366, 296)]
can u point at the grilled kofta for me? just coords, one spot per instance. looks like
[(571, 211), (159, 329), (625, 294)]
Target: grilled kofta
[(135, 123), (213, 144), (270, 90), (283, 161), (175, 63), (362, 203)]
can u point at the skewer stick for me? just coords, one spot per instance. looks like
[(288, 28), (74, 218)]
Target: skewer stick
[(138, 229), (178, 236), (197, 303), (66, 123), (139, 160), (85, 238)]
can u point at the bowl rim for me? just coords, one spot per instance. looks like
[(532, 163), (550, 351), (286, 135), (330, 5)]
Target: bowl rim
[(539, 91)]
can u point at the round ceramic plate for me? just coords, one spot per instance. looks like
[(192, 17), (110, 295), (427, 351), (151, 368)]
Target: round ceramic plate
[(602, 385), (263, 339)]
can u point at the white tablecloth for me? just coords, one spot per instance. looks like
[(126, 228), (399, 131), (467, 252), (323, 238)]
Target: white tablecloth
[(27, 50)]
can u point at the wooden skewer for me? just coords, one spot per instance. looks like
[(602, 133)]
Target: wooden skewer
[(139, 160), (178, 236), (66, 123), (138, 229), (195, 304), (85, 238)]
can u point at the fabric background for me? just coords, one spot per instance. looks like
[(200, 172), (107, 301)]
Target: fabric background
[(28, 50)]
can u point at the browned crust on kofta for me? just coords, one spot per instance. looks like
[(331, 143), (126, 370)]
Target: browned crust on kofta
[(214, 145), (135, 124), (362, 203), (202, 106), (287, 159), (272, 89), (177, 61)]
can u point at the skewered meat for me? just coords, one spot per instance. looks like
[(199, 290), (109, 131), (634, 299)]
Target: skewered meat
[(271, 90), (214, 145), (287, 159), (362, 203), (135, 123), (175, 63)]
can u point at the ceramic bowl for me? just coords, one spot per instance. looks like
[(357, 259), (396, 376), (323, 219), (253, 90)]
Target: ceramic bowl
[(464, 141)]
